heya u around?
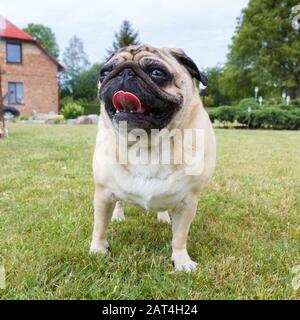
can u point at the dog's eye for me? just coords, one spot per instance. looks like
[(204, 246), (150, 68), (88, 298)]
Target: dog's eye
[(157, 73), (104, 73)]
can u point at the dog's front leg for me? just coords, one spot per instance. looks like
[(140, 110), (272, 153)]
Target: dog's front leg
[(103, 209), (182, 218)]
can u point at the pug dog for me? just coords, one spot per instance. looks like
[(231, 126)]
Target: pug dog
[(150, 89)]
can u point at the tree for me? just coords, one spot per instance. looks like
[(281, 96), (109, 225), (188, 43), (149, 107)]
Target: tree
[(125, 37), (86, 86), (212, 93), (265, 52), (236, 83), (76, 61), (45, 36)]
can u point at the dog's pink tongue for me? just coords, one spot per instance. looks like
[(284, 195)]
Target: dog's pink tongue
[(126, 101)]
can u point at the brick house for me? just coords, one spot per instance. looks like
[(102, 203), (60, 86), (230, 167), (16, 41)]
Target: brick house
[(29, 72)]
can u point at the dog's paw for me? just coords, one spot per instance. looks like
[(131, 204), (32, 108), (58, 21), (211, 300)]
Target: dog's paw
[(182, 262), (99, 247), (118, 218), (186, 267), (163, 216)]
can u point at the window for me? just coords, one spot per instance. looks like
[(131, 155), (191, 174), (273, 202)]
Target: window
[(13, 52), (15, 93)]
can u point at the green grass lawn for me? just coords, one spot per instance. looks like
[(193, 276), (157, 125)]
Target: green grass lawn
[(245, 238)]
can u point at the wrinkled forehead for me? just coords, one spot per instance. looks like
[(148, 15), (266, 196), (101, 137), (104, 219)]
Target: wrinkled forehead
[(141, 54)]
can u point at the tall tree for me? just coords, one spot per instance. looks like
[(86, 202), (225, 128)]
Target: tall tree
[(45, 36), (86, 86), (212, 91), (265, 51), (76, 61), (125, 37)]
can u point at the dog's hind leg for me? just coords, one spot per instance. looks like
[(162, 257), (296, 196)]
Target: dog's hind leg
[(163, 216), (118, 214), (103, 209)]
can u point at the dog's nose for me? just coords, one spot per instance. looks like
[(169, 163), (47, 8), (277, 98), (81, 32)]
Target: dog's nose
[(126, 74)]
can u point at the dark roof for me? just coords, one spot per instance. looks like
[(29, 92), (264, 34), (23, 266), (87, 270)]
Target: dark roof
[(10, 31)]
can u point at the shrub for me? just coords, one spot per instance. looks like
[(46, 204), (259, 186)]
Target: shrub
[(243, 117), (58, 119), (65, 100), (295, 103), (273, 118), (295, 111), (226, 114), (91, 107), (276, 117), (212, 112), (284, 106), (267, 118), (273, 101), (292, 107), (72, 110), (293, 122), (24, 117), (249, 102)]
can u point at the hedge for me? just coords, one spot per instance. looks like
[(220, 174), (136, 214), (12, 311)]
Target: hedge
[(91, 107), (260, 117), (72, 110)]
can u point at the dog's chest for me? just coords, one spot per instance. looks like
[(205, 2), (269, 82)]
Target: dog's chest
[(153, 187)]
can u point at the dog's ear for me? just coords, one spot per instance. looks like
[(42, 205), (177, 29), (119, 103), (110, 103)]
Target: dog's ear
[(189, 65)]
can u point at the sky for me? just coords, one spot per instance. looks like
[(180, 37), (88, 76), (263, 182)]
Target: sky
[(202, 28)]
